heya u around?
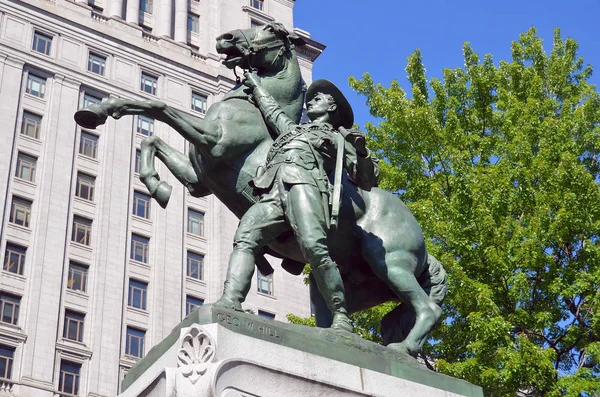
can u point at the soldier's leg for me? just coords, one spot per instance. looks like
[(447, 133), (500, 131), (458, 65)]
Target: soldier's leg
[(305, 213), (263, 222)]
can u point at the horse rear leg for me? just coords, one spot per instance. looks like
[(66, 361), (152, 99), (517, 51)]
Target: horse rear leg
[(176, 162), (396, 269)]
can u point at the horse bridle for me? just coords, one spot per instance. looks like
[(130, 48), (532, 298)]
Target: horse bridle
[(256, 46)]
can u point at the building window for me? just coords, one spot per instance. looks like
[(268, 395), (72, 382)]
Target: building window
[(146, 6), (264, 284), (14, 258), (195, 223), (137, 294), (195, 266), (145, 126), (7, 355), (88, 145), (258, 4), (90, 100), (198, 102), (69, 377), (82, 230), (191, 303), (26, 167), (85, 186), (9, 308), (139, 248), (134, 345), (266, 315), (96, 64), (31, 125), (138, 160), (41, 43), (193, 23), (20, 212), (73, 329), (141, 205), (77, 277), (148, 84), (255, 24), (36, 85)]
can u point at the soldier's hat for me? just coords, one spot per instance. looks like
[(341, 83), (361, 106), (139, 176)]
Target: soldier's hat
[(344, 110)]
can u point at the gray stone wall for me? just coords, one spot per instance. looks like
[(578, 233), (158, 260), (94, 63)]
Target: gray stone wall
[(112, 30)]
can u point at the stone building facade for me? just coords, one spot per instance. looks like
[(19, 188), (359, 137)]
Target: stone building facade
[(94, 273)]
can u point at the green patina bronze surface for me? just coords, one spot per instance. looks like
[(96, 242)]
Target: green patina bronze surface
[(344, 347), (376, 252)]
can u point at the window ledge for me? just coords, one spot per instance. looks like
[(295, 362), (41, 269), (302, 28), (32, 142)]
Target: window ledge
[(141, 219), (263, 16), (140, 264), (73, 347), (138, 311), (30, 138), (87, 158), (77, 293), (102, 76), (16, 276), (195, 281), (35, 98), (85, 201), (20, 227), (41, 53), (13, 332), (81, 246), (131, 360), (196, 237), (266, 295), (25, 182)]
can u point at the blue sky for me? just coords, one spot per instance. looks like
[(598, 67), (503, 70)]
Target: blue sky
[(376, 36)]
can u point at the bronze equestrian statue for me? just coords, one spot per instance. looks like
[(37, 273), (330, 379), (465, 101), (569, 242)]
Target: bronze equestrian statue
[(378, 245)]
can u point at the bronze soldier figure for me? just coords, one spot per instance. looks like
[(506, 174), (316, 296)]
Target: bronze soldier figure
[(295, 189)]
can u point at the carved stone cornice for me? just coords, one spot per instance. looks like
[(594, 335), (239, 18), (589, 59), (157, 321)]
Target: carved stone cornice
[(312, 49), (258, 14)]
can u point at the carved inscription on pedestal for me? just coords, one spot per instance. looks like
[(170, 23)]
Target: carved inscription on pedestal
[(258, 327)]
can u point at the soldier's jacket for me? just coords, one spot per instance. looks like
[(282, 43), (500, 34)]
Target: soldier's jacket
[(306, 154)]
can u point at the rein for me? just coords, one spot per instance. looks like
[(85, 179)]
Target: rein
[(257, 46)]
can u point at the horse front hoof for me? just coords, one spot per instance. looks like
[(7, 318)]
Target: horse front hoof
[(162, 194), (406, 348), (91, 117)]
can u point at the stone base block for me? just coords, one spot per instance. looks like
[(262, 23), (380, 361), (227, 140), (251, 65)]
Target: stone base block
[(222, 353)]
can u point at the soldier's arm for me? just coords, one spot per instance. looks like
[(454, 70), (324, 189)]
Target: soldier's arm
[(270, 109)]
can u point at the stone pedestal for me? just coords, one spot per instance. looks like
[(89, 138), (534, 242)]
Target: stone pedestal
[(222, 353)]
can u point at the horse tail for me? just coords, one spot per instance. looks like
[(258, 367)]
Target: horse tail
[(396, 325)]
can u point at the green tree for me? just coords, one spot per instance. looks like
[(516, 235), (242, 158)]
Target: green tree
[(500, 165)]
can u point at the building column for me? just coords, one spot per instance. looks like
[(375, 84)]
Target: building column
[(132, 14), (11, 81), (115, 8), (164, 22), (181, 12)]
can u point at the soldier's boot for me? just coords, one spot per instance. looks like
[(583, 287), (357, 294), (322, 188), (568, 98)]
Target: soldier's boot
[(238, 280), (329, 282)]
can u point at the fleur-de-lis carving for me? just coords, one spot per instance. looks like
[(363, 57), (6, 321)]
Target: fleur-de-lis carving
[(195, 353)]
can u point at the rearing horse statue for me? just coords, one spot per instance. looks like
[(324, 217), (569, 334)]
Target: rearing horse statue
[(378, 245)]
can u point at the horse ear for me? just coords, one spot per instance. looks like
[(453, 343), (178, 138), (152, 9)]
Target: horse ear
[(282, 32), (296, 40)]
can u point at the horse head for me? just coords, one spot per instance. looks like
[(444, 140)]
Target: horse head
[(261, 48)]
